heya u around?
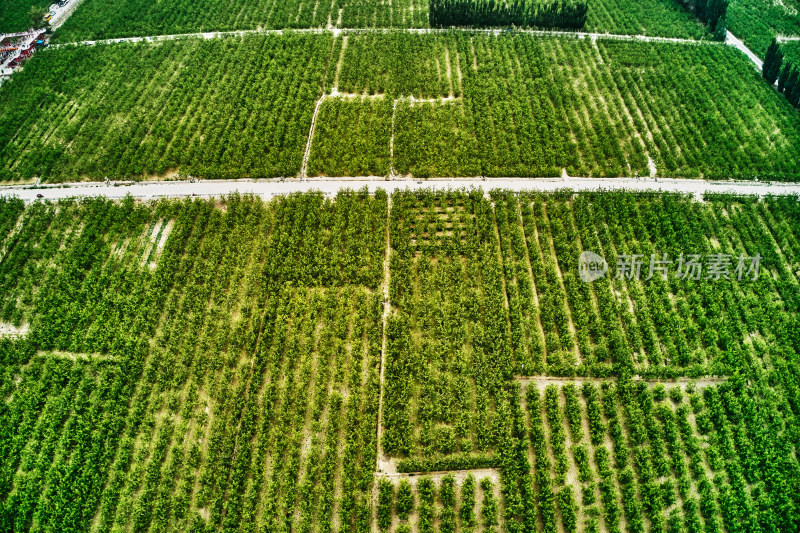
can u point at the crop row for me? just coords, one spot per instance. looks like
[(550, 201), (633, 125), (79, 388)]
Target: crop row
[(532, 107), (628, 457), (137, 110), (637, 17), (15, 15), (469, 505)]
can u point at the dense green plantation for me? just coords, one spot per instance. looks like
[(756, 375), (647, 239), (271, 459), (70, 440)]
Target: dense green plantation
[(791, 51), (205, 366), (191, 365), (662, 18), (92, 112), (495, 106), (457, 105), (352, 138), (449, 337), (524, 106), (482, 295), (14, 14), (756, 22), (102, 19)]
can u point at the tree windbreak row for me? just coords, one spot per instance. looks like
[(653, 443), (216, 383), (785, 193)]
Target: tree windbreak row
[(782, 66), (215, 365), (570, 14), (512, 105)]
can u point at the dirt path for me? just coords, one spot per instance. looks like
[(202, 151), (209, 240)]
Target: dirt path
[(10, 330), (542, 382), (384, 464), (458, 475)]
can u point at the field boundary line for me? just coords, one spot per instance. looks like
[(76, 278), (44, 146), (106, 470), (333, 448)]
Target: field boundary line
[(307, 152), (542, 382), (380, 463), (437, 475), (387, 308)]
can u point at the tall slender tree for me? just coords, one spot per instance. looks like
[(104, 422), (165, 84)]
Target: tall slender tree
[(715, 15), (784, 76), (793, 88), (773, 61)]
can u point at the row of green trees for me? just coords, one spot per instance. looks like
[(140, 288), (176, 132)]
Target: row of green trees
[(569, 14), (780, 69), (712, 13)]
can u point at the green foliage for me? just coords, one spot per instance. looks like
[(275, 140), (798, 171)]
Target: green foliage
[(352, 138), (605, 112), (146, 362), (447, 515), (665, 18), (567, 506), (104, 19), (176, 114), (710, 12), (385, 501), (427, 499), (757, 22), (516, 105), (215, 364), (773, 60), (489, 508), (466, 511), (559, 14), (20, 15), (405, 500)]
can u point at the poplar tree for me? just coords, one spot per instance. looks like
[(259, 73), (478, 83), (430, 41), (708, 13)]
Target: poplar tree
[(793, 87), (772, 62), (785, 73)]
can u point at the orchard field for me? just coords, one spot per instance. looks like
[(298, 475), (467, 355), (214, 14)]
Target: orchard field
[(14, 14), (425, 362), (444, 104), (756, 22), (104, 19)]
